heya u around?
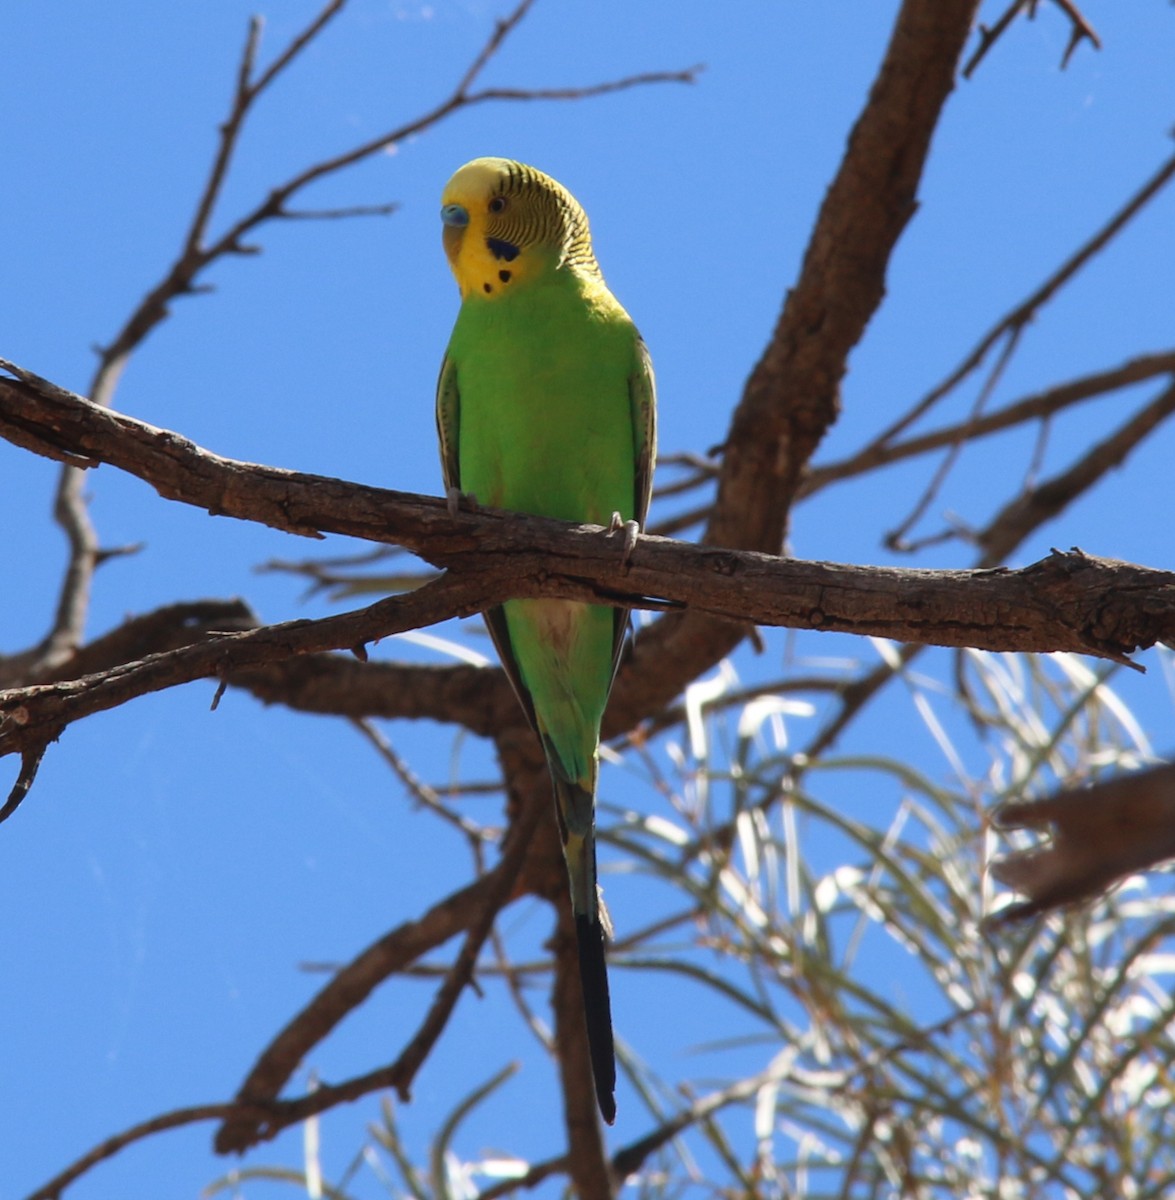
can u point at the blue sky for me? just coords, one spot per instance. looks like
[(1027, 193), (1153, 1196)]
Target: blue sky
[(173, 867)]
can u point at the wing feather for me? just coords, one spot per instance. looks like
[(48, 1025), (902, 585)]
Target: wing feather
[(449, 422), (642, 391), (448, 429), (642, 395)]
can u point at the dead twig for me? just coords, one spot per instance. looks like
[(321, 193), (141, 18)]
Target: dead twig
[(1080, 30), (1011, 325), (474, 909), (1037, 407)]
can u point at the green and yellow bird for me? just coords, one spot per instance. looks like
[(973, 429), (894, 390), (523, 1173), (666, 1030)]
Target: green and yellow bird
[(546, 405)]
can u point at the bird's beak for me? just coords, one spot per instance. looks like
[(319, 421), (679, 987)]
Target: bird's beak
[(455, 219)]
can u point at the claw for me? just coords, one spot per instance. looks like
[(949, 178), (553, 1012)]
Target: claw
[(454, 497), (632, 531)]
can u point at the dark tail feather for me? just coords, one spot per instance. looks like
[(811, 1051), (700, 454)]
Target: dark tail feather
[(593, 977)]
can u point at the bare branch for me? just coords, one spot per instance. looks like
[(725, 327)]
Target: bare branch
[(36, 715), (792, 396), (476, 698), (297, 44), (1004, 533), (1044, 501), (988, 36), (1066, 602), (107, 1149), (590, 91), (349, 989), (502, 30), (198, 254), (1098, 834), (425, 796), (896, 539), (1080, 31), (339, 214), (1011, 325), (1035, 407)]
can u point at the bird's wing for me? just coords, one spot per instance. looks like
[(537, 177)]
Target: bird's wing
[(642, 395), (448, 426), (642, 391), (449, 422)]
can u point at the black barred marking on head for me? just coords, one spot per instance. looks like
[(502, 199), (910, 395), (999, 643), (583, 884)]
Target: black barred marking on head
[(548, 215)]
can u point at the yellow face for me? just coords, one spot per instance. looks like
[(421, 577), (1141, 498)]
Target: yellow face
[(505, 223)]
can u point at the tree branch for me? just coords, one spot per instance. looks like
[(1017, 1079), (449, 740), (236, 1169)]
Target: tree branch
[(1036, 407), (791, 398), (1013, 323), (176, 1119), (1080, 31), (472, 909), (1098, 834), (1064, 603)]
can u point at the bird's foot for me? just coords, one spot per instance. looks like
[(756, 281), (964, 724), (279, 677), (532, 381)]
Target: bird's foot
[(632, 531), (454, 498)]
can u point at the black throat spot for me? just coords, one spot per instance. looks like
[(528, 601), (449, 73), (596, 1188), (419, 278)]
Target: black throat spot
[(501, 249)]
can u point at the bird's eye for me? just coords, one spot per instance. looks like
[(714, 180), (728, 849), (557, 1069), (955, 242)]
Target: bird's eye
[(498, 204)]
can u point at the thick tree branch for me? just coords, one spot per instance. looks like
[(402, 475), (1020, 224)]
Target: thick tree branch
[(514, 555), (1097, 834), (339, 685), (791, 398), (1065, 603), (165, 628)]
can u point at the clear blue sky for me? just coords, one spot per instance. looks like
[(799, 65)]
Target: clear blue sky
[(173, 867)]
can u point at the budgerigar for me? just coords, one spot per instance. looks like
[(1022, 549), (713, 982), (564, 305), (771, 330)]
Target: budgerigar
[(546, 405)]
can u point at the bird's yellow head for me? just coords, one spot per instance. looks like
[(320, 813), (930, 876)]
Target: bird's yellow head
[(506, 223)]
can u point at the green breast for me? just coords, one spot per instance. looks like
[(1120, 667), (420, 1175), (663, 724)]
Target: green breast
[(545, 422)]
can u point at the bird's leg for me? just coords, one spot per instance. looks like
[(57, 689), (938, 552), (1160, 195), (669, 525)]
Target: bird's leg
[(632, 531), (453, 498)]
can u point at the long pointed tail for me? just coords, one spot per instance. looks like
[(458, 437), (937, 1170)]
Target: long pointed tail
[(575, 806), (597, 1007)]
